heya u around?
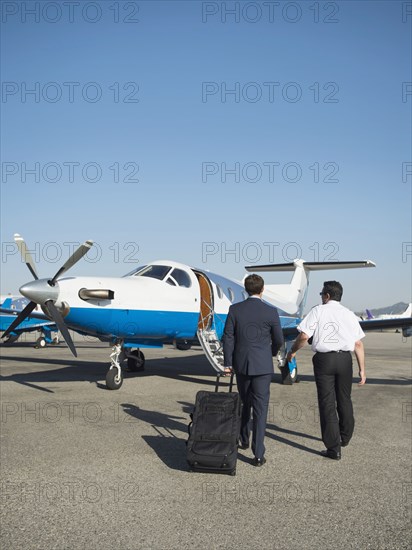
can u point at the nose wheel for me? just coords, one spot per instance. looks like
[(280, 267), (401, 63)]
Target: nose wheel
[(114, 378), (135, 363)]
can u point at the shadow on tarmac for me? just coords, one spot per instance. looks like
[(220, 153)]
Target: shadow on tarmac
[(192, 369), (170, 448), (281, 439), (187, 369)]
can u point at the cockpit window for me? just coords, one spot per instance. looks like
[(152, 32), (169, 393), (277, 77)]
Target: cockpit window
[(155, 271), (174, 277), (135, 271), (181, 277)]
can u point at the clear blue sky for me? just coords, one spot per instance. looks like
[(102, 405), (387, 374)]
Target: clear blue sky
[(313, 102)]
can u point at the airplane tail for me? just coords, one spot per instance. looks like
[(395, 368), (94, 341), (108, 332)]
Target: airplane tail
[(291, 297), (369, 314), (7, 303)]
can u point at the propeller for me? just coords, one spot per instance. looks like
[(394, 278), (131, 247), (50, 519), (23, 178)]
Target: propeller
[(58, 319), (74, 258), (25, 254), (20, 317), (44, 291)]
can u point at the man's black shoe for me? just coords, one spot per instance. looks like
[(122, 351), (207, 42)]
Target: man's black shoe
[(344, 443), (259, 461), (243, 446), (331, 454)]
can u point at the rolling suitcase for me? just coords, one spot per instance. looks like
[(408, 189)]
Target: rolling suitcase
[(214, 431)]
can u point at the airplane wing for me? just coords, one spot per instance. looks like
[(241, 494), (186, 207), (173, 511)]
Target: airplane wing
[(379, 324), (35, 321), (367, 325), (15, 312), (30, 327)]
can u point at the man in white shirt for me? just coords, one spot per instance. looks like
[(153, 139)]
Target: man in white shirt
[(335, 333)]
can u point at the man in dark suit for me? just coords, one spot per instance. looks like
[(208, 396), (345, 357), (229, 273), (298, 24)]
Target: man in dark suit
[(251, 337)]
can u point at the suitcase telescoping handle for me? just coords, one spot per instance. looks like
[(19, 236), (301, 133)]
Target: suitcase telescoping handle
[(230, 384)]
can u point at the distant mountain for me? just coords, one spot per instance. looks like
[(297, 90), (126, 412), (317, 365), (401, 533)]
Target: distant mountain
[(389, 310)]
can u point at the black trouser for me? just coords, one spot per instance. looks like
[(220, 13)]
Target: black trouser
[(254, 393), (333, 376)]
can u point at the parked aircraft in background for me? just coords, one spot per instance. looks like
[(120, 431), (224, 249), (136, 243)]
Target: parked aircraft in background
[(37, 321), (406, 331), (405, 314), (162, 301)]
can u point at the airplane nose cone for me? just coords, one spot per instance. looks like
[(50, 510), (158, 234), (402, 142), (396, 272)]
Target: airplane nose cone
[(40, 291)]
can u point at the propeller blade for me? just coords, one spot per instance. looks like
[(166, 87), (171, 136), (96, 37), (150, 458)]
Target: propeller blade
[(20, 317), (74, 258), (25, 254), (58, 319)]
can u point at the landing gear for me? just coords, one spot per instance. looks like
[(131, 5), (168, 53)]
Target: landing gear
[(114, 376), (289, 377), (135, 361), (40, 342), (288, 372), (183, 345)]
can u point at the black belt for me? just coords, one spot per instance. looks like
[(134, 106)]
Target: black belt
[(335, 351)]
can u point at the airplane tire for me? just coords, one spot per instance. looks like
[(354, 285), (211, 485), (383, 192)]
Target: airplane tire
[(40, 343), (136, 362), (183, 345), (289, 378), (113, 381)]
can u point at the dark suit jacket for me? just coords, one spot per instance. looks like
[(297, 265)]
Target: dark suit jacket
[(251, 337)]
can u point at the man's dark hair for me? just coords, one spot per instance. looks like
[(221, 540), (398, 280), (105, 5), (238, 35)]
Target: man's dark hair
[(334, 289), (254, 284)]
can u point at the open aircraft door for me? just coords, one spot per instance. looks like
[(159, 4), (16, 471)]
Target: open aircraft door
[(206, 332)]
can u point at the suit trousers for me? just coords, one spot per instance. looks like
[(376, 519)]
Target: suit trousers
[(254, 393), (333, 377)]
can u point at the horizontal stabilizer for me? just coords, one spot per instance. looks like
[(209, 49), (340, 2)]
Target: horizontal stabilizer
[(291, 297), (309, 266), (381, 324)]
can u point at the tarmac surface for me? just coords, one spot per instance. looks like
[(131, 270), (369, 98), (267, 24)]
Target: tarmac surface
[(83, 467)]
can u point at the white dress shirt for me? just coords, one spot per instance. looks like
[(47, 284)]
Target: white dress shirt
[(332, 326)]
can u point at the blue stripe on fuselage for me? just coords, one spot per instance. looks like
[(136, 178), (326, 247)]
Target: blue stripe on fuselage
[(146, 324), (127, 323)]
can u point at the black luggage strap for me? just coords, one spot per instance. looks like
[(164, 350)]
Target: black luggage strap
[(215, 437), (232, 375)]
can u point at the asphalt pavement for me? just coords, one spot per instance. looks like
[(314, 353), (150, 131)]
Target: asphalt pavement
[(83, 467)]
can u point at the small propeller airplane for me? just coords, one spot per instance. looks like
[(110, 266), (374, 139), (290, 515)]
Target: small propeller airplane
[(163, 301), (36, 321)]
